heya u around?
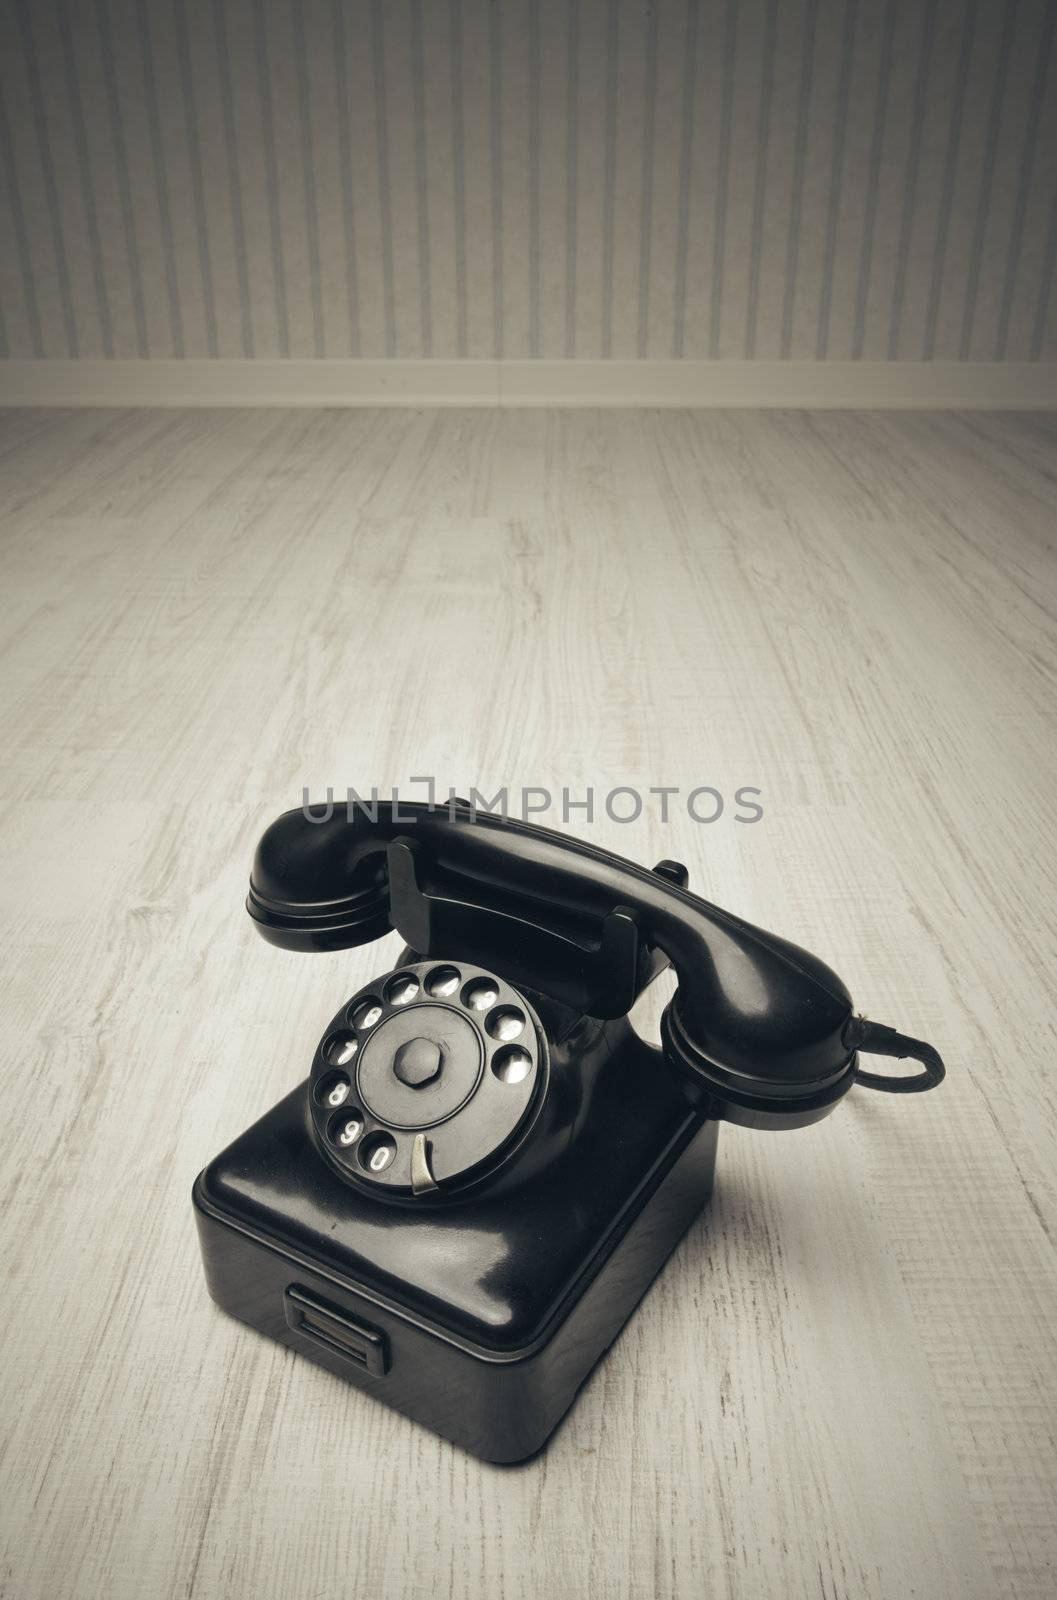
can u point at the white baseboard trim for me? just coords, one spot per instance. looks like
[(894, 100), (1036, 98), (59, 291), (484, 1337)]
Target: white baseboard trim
[(911, 385)]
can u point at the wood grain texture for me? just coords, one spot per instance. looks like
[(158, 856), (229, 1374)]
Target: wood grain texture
[(842, 1384)]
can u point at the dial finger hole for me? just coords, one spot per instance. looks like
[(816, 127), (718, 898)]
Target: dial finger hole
[(505, 1022), (512, 1065), (442, 981), (401, 989), (333, 1089), (366, 1013), (340, 1048), (377, 1152), (479, 994), (345, 1128)]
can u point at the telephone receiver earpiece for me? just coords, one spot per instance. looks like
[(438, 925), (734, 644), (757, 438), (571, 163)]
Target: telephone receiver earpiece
[(759, 1028)]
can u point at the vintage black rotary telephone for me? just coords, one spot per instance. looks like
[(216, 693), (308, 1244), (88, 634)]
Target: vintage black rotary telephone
[(487, 1166)]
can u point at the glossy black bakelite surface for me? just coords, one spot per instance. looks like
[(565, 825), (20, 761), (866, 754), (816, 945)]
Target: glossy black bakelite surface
[(487, 1166), (493, 1266)]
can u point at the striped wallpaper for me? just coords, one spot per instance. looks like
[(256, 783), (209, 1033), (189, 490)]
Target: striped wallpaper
[(821, 179)]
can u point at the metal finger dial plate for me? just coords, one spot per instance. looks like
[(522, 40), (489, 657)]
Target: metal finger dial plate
[(426, 1078)]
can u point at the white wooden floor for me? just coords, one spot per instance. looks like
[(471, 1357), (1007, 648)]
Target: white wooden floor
[(843, 1383)]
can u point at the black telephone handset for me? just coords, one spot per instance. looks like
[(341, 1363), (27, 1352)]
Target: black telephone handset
[(505, 1163), (763, 1027)]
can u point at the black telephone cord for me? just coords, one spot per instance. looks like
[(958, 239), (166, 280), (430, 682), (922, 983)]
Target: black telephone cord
[(874, 1039)]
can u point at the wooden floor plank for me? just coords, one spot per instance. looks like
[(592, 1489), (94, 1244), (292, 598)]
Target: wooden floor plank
[(842, 1383)]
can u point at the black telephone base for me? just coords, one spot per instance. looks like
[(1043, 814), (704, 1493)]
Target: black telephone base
[(481, 1319)]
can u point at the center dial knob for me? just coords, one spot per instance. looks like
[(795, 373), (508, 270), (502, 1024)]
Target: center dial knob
[(419, 1067), (418, 1062)]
